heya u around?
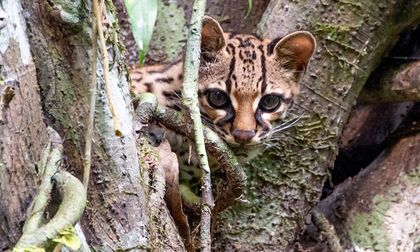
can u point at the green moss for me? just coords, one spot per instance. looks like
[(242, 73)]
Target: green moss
[(413, 177), (69, 10), (335, 30), (64, 97), (352, 3), (339, 34), (292, 157), (367, 229), (189, 196)]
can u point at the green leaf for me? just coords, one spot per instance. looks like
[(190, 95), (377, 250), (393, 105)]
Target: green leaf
[(142, 15), (249, 8), (69, 238)]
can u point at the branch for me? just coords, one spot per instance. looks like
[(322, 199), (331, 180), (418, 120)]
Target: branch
[(190, 100), (148, 109), (71, 208), (48, 167), (98, 16), (92, 105), (369, 204), (328, 230), (71, 190), (394, 84)]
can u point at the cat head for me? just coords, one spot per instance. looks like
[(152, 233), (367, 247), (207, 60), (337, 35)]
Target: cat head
[(246, 83)]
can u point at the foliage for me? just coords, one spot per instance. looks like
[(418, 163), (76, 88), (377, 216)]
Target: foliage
[(69, 238), (142, 15), (249, 8)]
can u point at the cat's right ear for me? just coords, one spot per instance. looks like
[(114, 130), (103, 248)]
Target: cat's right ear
[(212, 39)]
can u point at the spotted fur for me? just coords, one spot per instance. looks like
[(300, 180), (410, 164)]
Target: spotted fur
[(247, 71)]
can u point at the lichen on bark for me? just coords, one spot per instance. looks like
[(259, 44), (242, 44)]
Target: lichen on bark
[(285, 182)]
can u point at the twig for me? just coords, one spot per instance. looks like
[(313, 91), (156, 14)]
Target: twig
[(190, 101), (92, 105), (328, 230), (104, 54)]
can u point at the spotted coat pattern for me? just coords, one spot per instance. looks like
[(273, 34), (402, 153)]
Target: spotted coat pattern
[(246, 83)]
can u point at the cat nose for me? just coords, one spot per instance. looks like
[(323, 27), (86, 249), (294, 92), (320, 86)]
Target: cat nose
[(243, 136)]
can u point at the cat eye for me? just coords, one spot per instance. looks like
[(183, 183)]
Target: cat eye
[(217, 98), (270, 103)]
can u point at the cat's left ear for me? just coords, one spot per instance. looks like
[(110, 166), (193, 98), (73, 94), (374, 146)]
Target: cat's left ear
[(294, 50), (212, 39)]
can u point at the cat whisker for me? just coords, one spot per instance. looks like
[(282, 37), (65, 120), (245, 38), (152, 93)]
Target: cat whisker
[(271, 146), (177, 95), (267, 145), (208, 123), (286, 125), (176, 104), (290, 121)]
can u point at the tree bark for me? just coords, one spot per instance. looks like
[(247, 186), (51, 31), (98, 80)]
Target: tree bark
[(60, 41), (394, 84), (366, 134), (283, 184), (121, 211), (171, 26), (22, 130), (350, 45), (286, 182), (378, 209)]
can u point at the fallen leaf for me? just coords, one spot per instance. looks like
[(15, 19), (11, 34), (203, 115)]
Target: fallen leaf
[(169, 162)]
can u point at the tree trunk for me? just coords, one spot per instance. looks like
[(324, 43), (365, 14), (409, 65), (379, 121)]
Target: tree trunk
[(351, 43), (126, 208), (378, 210), (60, 41), (122, 211), (396, 84), (22, 130)]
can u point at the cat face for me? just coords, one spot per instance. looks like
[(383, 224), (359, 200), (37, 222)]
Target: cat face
[(246, 84)]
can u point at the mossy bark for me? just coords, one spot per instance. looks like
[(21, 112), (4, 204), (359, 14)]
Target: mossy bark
[(378, 209), (286, 181), (117, 215), (352, 38)]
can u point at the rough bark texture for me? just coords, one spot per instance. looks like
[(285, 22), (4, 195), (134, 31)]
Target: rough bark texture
[(350, 45), (378, 209), (163, 233), (353, 36), (22, 131), (122, 213), (60, 41), (283, 184)]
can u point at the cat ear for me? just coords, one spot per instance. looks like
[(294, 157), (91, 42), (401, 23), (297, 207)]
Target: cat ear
[(295, 50), (212, 39)]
